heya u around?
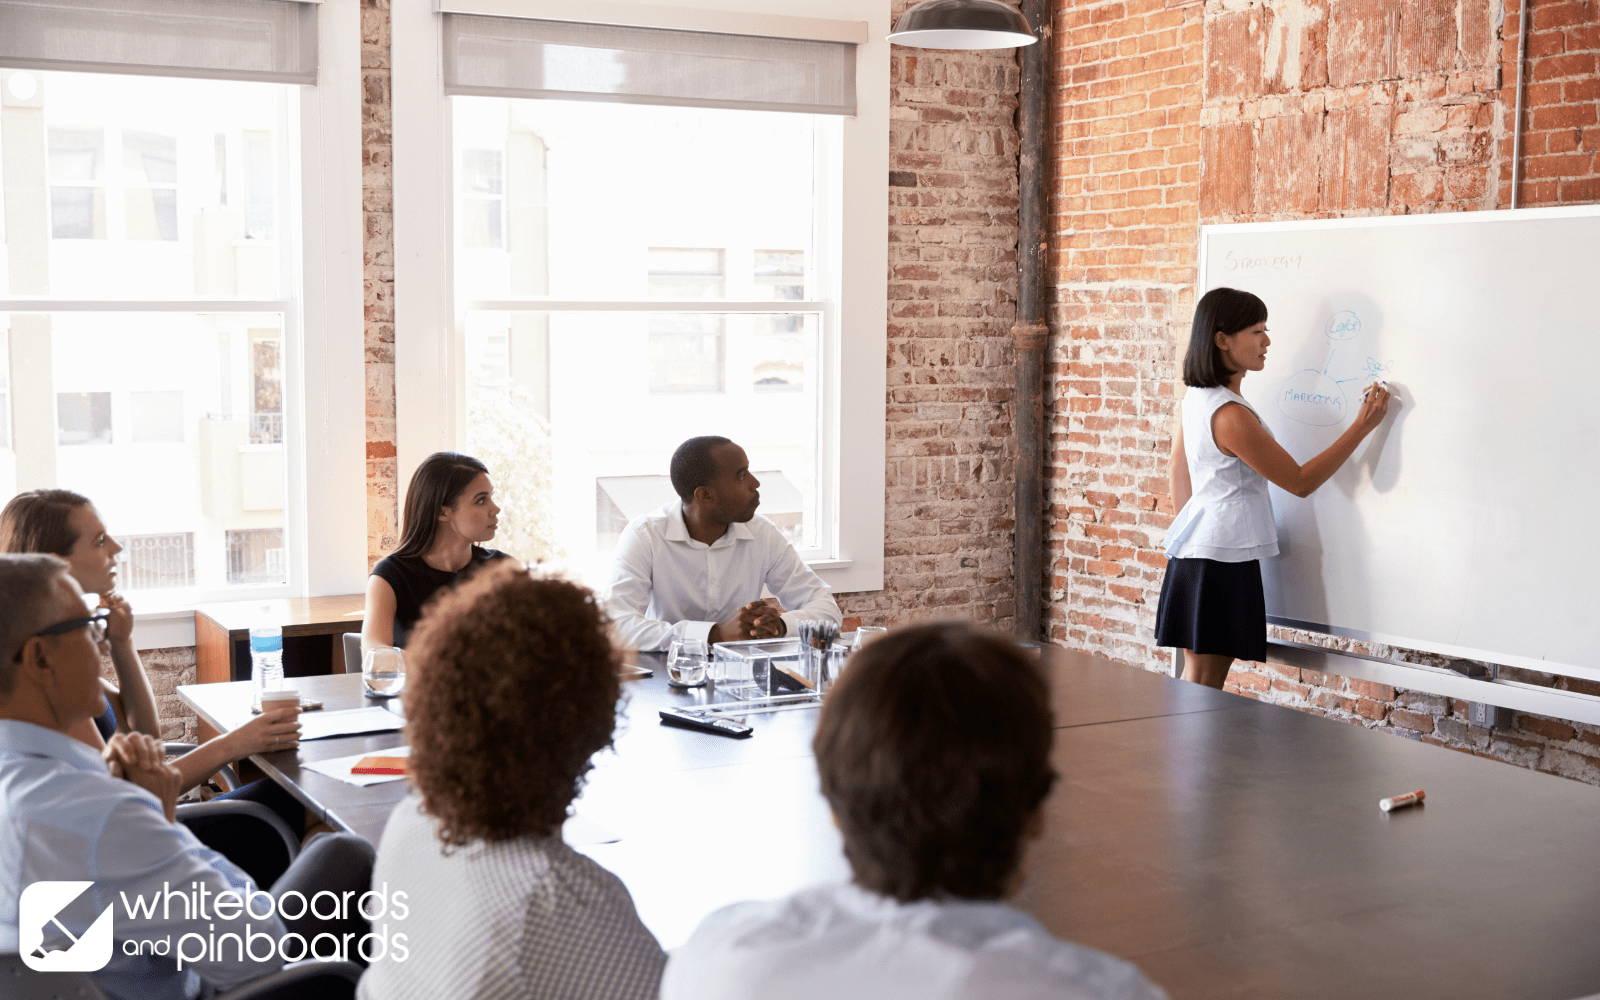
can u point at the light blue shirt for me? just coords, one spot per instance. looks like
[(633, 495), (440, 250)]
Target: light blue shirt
[(67, 819), (1229, 514)]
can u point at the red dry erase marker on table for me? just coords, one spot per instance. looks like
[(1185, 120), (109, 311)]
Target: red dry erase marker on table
[(1401, 801)]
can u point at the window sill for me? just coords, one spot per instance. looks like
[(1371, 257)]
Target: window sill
[(163, 629)]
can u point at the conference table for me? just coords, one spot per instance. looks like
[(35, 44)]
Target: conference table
[(1232, 849)]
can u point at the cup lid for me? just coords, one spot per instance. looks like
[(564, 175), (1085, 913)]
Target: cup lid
[(281, 694)]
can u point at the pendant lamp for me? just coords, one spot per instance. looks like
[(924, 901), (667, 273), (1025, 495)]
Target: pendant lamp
[(962, 24)]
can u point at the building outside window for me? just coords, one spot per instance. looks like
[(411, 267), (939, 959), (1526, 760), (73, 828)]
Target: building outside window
[(156, 562), (170, 421), (674, 322), (686, 352)]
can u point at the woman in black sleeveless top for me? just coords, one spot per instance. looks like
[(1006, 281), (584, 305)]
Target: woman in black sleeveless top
[(449, 509)]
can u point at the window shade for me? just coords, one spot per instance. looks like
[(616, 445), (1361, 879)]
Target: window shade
[(517, 57), (273, 40)]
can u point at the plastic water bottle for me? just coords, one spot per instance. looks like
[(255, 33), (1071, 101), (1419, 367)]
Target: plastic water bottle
[(266, 654)]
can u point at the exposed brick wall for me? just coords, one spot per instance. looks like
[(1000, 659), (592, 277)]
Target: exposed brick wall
[(1285, 109), (377, 211), (952, 299), (1127, 112), (167, 668)]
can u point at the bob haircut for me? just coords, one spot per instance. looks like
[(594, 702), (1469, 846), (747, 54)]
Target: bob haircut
[(36, 521), (513, 688), (437, 484), (934, 752), (1221, 310)]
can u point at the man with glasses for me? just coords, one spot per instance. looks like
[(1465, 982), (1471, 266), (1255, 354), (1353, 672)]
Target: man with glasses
[(72, 814)]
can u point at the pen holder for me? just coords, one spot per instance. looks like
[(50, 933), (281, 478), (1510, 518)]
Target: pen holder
[(817, 637), (744, 671)]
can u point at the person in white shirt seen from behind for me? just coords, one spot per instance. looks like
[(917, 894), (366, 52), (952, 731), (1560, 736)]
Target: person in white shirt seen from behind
[(933, 751), (695, 568)]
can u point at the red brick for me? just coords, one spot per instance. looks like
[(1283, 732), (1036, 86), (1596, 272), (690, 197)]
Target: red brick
[(1427, 36), (1369, 689), (1550, 729), (1414, 721), (1288, 158), (1355, 172), (1296, 690), (1229, 155), (1361, 34), (1234, 43)]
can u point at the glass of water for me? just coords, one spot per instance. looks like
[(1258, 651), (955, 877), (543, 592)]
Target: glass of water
[(686, 663), (383, 671), (867, 634)]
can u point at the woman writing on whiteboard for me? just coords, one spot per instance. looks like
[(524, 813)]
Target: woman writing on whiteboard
[(1223, 456)]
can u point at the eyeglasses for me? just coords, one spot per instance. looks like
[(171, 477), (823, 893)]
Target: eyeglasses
[(97, 623)]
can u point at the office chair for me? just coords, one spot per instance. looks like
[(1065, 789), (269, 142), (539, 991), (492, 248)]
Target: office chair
[(308, 980), (352, 652), (250, 835)]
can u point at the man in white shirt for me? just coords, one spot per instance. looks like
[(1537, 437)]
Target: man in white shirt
[(933, 751), (695, 568), (73, 816)]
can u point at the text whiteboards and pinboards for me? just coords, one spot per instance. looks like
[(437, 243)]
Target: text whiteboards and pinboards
[(1467, 524)]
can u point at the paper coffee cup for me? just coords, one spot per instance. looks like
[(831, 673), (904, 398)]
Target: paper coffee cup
[(271, 701)]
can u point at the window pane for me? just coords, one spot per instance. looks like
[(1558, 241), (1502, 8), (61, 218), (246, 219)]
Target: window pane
[(83, 417), (138, 176), (77, 213), (590, 444), (159, 421), (256, 555), (77, 154), (155, 562), (597, 196)]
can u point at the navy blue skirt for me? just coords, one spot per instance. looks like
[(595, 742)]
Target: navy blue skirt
[(1213, 607)]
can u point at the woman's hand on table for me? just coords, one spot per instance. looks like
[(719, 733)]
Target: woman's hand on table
[(268, 732)]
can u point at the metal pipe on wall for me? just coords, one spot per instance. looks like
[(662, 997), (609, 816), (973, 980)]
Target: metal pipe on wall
[(1031, 333), (1516, 120)]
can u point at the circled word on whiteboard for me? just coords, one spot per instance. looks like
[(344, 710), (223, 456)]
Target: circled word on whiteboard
[(1311, 397), (1235, 261)]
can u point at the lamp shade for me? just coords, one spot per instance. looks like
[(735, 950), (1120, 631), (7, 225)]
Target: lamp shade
[(962, 24)]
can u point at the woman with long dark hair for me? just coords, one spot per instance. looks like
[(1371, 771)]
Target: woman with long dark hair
[(1223, 456), (449, 510)]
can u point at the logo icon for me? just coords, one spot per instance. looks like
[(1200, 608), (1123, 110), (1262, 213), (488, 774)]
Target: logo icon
[(37, 909)]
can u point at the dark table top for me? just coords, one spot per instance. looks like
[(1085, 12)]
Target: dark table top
[(1230, 848)]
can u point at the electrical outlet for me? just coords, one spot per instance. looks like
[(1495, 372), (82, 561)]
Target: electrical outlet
[(1488, 716)]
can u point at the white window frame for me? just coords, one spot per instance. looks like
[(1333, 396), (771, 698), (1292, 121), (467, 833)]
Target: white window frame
[(429, 353), (324, 344)]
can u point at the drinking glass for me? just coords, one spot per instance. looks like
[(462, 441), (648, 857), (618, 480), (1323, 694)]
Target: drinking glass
[(866, 634), (686, 663), (383, 671)]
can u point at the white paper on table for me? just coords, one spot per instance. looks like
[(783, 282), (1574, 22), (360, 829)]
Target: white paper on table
[(347, 722), (339, 767)]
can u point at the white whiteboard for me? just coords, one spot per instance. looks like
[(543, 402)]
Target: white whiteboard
[(1469, 523)]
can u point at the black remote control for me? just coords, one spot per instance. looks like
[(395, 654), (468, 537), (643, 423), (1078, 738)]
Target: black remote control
[(690, 719)]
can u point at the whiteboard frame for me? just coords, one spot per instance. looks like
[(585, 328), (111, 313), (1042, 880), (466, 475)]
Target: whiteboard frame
[(1385, 221)]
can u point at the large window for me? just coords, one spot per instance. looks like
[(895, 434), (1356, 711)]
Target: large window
[(655, 231), (137, 211), (710, 322), (154, 300)]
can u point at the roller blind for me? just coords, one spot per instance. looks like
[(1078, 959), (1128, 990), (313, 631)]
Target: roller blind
[(517, 57), (273, 40)]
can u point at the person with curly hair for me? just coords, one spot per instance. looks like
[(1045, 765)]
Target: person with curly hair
[(513, 687), (933, 751)]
